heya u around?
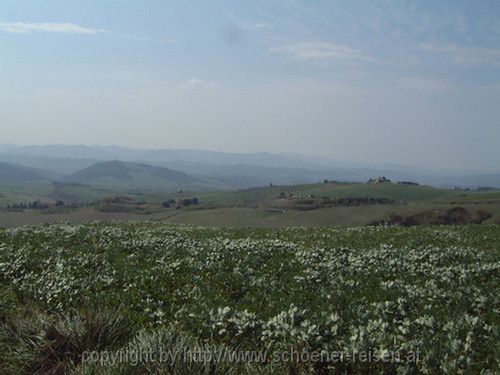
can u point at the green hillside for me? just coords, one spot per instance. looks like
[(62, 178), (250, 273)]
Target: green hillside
[(397, 192), (11, 174), (122, 176)]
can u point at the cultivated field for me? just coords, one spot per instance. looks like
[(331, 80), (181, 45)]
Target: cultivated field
[(417, 300)]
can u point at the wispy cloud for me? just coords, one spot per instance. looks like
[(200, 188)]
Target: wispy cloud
[(65, 28), (150, 39), (240, 34), (425, 84), (258, 25), (320, 52), (197, 84), (465, 55)]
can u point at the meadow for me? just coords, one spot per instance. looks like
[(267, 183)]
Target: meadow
[(260, 207), (425, 298)]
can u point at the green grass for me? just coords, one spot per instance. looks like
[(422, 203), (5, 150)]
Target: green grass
[(482, 197), (245, 217), (79, 193), (10, 194), (247, 208), (241, 217), (24, 193), (147, 286), (251, 196), (334, 190)]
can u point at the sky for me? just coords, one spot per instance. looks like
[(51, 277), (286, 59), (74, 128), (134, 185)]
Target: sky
[(407, 82)]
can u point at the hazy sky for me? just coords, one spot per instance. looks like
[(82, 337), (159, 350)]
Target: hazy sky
[(409, 82)]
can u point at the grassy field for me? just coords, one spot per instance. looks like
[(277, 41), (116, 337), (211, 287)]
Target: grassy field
[(333, 190), (257, 207), (87, 193), (74, 193), (326, 217), (24, 193), (74, 297), (247, 217)]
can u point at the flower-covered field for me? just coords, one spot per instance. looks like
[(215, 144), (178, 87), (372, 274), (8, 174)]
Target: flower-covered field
[(415, 300)]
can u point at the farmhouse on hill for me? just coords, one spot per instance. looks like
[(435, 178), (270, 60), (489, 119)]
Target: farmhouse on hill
[(379, 180)]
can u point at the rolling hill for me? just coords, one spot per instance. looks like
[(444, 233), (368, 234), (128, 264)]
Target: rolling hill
[(127, 175), (11, 174), (238, 170), (269, 194), (62, 166)]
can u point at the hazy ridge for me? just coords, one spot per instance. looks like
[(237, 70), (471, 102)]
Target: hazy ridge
[(235, 170)]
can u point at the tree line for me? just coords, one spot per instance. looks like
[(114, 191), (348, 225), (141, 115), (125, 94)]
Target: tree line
[(34, 205)]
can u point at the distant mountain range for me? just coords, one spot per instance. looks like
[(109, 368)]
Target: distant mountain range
[(210, 169)]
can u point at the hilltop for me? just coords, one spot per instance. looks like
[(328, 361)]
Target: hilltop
[(127, 175)]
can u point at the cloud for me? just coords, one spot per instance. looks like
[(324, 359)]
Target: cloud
[(65, 28), (319, 52), (465, 55), (198, 84), (158, 40), (425, 84), (237, 36), (258, 25), (234, 36)]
